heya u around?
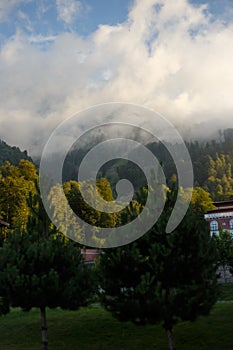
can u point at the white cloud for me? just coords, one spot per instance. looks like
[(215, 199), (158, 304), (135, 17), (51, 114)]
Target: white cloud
[(43, 7), (6, 6), (40, 39), (26, 23), (68, 10), (174, 59)]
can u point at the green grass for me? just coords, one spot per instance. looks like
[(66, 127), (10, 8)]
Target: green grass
[(225, 291), (94, 329)]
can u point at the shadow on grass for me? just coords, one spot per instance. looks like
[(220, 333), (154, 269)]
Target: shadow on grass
[(94, 329)]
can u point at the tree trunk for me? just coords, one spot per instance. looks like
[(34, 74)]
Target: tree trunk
[(44, 341), (171, 342)]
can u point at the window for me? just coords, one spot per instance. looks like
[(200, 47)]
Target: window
[(214, 225), (231, 224)]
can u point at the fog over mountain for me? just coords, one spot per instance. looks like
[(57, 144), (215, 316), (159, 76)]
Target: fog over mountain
[(171, 56)]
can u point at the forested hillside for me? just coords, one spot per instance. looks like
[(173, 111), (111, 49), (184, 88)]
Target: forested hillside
[(11, 154), (212, 163)]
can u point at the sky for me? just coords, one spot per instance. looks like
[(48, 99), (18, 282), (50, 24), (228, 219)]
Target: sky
[(58, 57)]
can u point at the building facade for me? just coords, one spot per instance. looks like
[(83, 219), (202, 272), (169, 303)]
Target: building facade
[(90, 255), (220, 218)]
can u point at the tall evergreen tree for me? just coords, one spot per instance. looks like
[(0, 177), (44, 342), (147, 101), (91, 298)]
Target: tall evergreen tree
[(224, 246), (4, 306), (161, 277), (41, 268), (38, 272)]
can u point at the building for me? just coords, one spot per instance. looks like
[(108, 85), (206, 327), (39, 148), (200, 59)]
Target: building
[(220, 218), (90, 255)]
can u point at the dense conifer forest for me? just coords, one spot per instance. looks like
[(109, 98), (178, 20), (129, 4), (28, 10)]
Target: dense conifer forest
[(212, 164), (11, 154)]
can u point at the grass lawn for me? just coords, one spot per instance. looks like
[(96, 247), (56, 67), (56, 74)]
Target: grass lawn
[(93, 328)]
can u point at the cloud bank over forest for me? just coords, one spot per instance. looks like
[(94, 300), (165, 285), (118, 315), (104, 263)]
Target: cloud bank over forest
[(173, 57)]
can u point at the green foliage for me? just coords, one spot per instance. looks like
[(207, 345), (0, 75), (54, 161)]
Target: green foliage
[(41, 268), (161, 277), (85, 211), (224, 246), (212, 163), (16, 182), (201, 201), (4, 306), (11, 154), (225, 291), (219, 181), (39, 272)]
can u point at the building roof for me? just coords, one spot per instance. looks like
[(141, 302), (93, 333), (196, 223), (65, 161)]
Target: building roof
[(90, 254), (222, 210), (223, 206), (223, 203)]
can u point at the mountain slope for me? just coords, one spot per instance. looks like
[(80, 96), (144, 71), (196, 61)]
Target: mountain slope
[(12, 154)]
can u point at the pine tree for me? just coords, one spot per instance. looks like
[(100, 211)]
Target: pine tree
[(38, 272), (161, 277), (224, 246), (41, 268)]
